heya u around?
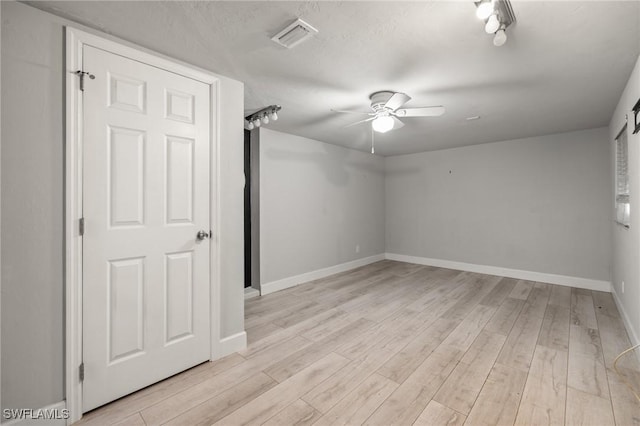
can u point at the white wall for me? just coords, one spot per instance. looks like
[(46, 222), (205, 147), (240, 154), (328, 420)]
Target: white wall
[(626, 242), (32, 207), (539, 204), (317, 203)]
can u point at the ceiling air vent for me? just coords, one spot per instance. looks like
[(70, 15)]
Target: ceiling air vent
[(294, 34)]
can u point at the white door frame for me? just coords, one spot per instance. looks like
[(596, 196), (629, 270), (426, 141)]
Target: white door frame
[(75, 40)]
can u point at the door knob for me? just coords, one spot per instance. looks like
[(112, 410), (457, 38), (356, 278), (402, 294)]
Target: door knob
[(201, 235)]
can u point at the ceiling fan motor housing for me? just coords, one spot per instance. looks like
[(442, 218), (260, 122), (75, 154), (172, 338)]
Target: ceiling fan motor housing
[(379, 99)]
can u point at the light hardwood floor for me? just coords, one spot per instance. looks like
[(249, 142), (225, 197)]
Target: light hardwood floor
[(398, 344)]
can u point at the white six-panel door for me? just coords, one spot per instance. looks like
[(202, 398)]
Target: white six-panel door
[(146, 310)]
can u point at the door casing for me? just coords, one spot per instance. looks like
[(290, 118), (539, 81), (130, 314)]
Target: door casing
[(75, 41)]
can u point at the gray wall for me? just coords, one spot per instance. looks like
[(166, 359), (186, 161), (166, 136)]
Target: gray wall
[(539, 204), (626, 242), (32, 207), (317, 203)]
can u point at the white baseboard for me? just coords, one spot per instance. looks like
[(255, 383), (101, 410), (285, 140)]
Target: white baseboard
[(42, 421), (316, 275), (250, 293), (631, 331), (542, 277), (231, 344)]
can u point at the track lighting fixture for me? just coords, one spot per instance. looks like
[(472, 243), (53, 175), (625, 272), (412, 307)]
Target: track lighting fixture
[(484, 9), (500, 38), (493, 24), (498, 16), (263, 116)]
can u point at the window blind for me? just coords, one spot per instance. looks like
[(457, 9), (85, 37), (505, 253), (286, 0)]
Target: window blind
[(622, 179)]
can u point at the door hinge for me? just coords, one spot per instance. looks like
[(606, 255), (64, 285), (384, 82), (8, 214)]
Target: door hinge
[(81, 372), (82, 75), (81, 226)]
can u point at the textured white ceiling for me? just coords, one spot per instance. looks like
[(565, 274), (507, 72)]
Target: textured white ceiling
[(563, 68)]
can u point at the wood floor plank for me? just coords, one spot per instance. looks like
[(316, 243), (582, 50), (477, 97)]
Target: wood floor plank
[(328, 393), (536, 303), (438, 414), (585, 341), (544, 395), (358, 405), (401, 365), (521, 290), (517, 351), (554, 333), (499, 399), (477, 290), (615, 340), (213, 409), (499, 293), (301, 359), (270, 403), (203, 391), (299, 315), (309, 325), (261, 331), (504, 318), (133, 420), (582, 310), (464, 334), (626, 408), (460, 390), (587, 372), (588, 410), (299, 413), (604, 304), (408, 401), (560, 296)]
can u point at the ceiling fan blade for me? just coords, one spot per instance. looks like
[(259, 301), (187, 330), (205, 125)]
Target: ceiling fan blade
[(361, 121), (353, 112), (433, 111), (397, 100), (397, 123)]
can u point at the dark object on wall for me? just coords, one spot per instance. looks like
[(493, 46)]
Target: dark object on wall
[(636, 124)]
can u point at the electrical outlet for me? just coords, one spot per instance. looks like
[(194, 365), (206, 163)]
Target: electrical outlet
[(358, 248), (622, 287)]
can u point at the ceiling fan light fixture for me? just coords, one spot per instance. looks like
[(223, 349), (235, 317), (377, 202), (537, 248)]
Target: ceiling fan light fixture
[(493, 24), (484, 9), (382, 123)]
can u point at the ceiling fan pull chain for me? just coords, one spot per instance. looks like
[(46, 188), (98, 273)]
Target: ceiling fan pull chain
[(373, 150)]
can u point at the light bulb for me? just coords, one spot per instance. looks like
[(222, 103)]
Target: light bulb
[(265, 119), (485, 9), (250, 126), (274, 115), (500, 38), (493, 24), (256, 122), (382, 124)]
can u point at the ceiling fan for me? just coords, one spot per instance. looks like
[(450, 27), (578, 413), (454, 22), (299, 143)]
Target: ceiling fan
[(386, 106)]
